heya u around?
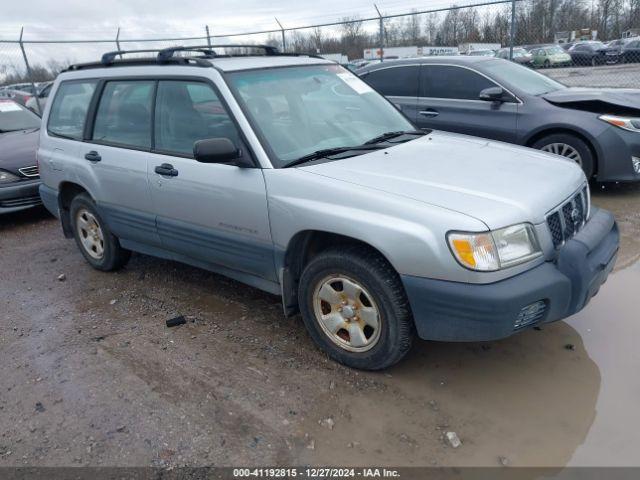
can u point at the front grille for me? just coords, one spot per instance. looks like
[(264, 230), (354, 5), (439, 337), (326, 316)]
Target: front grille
[(569, 218), (530, 314), (30, 172), (20, 202)]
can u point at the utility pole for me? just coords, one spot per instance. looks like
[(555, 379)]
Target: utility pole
[(381, 48), (206, 27), (284, 45), (513, 28), (29, 73)]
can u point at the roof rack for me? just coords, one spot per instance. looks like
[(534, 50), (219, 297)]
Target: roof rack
[(167, 55)]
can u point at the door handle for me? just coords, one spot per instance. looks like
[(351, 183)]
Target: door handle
[(93, 156), (167, 170), (429, 113)]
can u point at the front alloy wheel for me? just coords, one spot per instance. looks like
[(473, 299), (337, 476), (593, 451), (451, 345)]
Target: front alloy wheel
[(347, 313), (563, 150), (354, 306)]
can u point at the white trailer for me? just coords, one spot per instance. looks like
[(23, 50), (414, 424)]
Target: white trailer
[(408, 52), (466, 48)]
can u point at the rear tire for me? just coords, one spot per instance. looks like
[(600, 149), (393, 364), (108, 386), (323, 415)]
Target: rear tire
[(94, 239), (340, 323), (556, 143), (547, 64)]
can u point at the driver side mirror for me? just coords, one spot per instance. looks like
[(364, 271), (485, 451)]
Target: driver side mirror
[(494, 94), (219, 150)]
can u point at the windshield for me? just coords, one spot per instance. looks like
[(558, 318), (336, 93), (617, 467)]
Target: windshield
[(520, 52), (523, 78), (14, 117), (300, 110)]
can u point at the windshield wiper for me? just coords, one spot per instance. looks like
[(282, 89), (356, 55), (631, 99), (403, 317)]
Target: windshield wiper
[(389, 135), (327, 152)]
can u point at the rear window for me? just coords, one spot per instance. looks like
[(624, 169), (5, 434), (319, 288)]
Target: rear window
[(395, 81), (124, 114), (69, 109), (444, 81)]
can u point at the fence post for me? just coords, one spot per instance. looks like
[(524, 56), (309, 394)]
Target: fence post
[(512, 31), (284, 45), (381, 26), (29, 73), (206, 27), (118, 41)]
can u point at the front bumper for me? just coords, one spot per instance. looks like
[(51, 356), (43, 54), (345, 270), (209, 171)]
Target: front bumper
[(19, 196), (616, 149), (459, 312)]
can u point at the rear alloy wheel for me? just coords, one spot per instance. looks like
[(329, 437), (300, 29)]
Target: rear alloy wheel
[(547, 64), (90, 233), (571, 147), (96, 242)]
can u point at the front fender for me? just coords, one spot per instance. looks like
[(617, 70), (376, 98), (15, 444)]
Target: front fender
[(411, 235)]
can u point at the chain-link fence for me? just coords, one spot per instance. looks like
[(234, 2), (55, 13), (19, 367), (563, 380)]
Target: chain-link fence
[(541, 34)]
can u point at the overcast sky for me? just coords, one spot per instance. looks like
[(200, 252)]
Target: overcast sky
[(148, 19), (140, 18)]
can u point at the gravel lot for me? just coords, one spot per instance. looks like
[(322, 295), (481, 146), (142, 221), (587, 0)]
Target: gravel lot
[(92, 376), (624, 75)]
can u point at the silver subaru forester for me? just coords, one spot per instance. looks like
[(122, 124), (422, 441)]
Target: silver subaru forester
[(288, 173)]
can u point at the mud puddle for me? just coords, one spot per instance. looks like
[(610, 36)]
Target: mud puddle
[(565, 395)]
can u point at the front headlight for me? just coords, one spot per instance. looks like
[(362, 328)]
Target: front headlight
[(6, 177), (627, 123), (490, 251)]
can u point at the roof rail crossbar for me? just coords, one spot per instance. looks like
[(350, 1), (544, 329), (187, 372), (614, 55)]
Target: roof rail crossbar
[(109, 57), (167, 53)]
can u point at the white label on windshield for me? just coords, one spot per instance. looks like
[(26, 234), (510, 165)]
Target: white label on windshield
[(9, 107), (355, 83)]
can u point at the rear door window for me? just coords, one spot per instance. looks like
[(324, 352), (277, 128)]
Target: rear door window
[(395, 81), (69, 109), (124, 114), (446, 81), (186, 112)]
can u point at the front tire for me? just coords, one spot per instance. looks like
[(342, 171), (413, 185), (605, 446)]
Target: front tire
[(571, 147), (94, 239), (355, 309)]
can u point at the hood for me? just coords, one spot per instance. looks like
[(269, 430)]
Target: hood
[(18, 149), (603, 100), (497, 183)]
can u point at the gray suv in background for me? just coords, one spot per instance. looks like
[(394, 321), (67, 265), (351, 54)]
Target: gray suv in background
[(493, 98), (292, 175)]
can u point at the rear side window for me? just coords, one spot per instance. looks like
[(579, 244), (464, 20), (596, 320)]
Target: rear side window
[(443, 81), (124, 114), (186, 112), (69, 109), (395, 81)]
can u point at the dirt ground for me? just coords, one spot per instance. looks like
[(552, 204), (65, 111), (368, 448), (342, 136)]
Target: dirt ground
[(92, 376)]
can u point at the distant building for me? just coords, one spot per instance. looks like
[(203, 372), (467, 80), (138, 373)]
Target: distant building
[(575, 35)]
